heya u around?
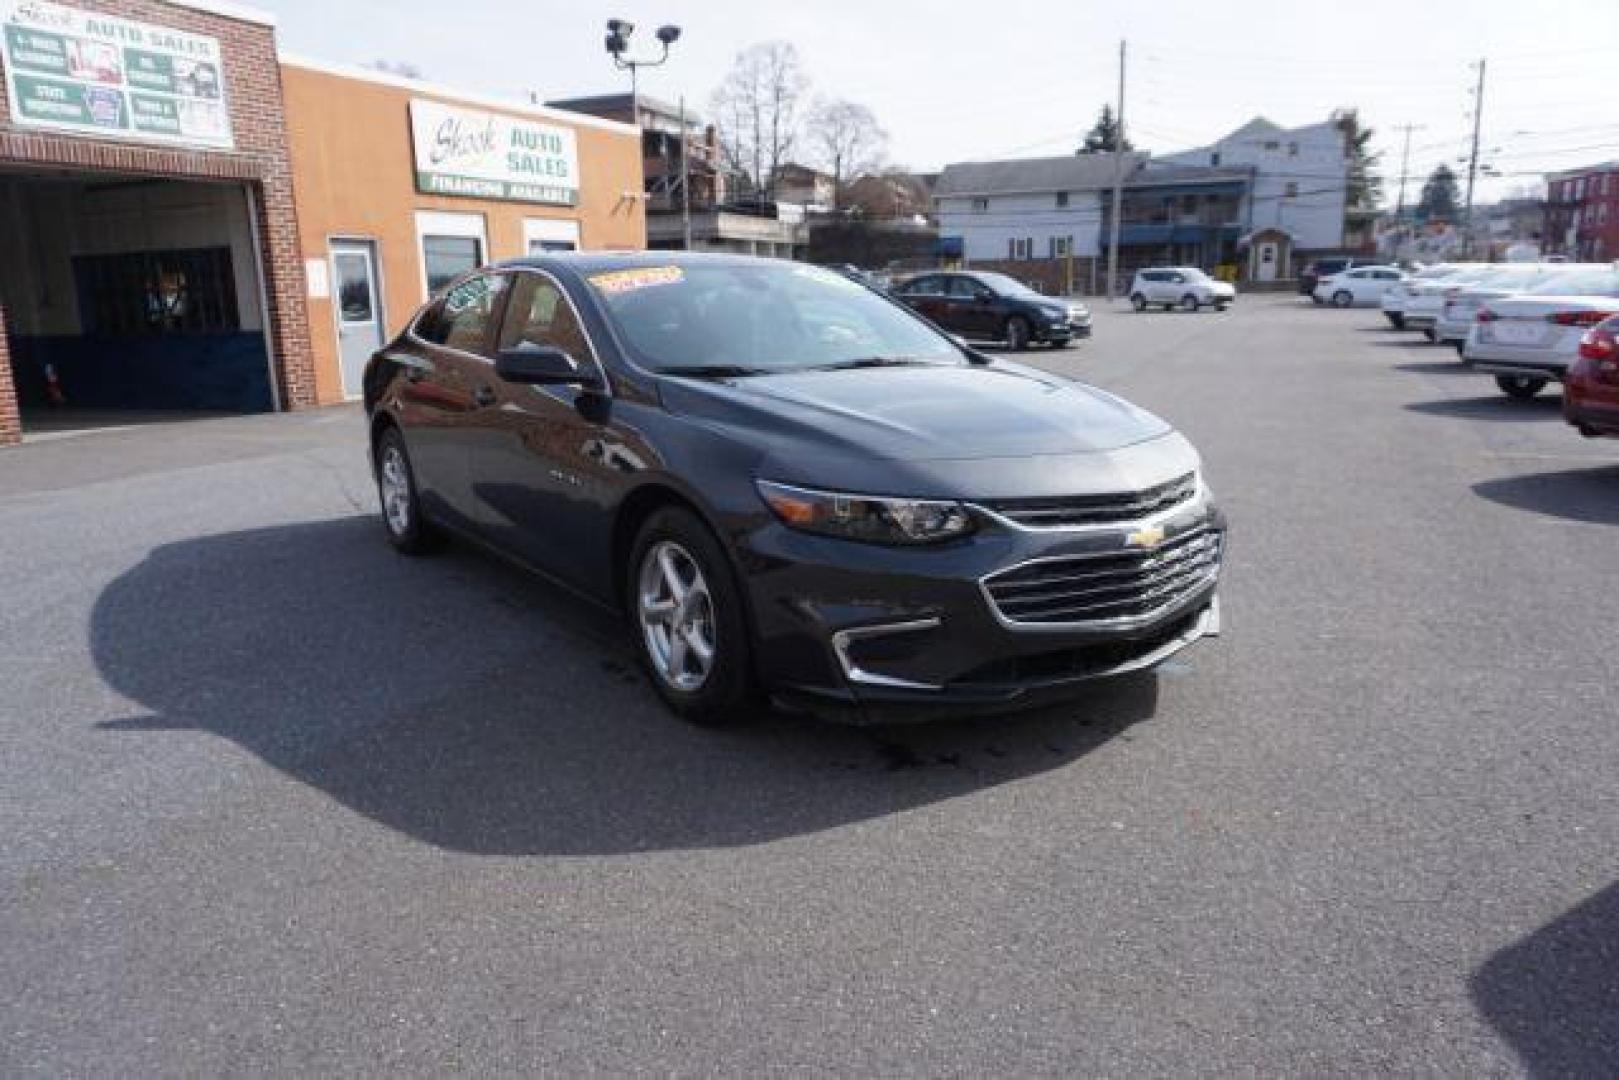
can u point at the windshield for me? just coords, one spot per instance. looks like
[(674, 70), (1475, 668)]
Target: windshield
[(1580, 283), (1008, 286), (757, 318)]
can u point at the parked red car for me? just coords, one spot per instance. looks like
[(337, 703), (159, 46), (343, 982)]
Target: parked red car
[(1591, 387)]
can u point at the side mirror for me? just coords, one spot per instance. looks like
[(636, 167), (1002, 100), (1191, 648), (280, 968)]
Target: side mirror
[(542, 365)]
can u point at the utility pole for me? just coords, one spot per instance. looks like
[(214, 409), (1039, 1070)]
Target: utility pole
[(1472, 162), (1118, 189), (685, 179), (1405, 162)]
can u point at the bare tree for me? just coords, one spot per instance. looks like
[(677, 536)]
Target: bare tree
[(757, 108), (848, 141)]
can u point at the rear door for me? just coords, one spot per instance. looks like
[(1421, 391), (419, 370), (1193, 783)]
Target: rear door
[(927, 296), (444, 395)]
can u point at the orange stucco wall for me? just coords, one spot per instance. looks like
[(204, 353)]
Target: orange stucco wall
[(354, 176)]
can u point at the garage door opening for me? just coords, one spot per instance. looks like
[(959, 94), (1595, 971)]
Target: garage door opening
[(129, 298)]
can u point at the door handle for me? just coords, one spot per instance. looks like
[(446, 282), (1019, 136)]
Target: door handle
[(484, 396)]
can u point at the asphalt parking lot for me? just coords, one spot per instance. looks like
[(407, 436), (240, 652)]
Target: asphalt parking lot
[(276, 799)]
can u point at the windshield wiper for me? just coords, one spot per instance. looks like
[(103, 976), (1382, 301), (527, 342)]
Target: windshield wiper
[(873, 361), (713, 371)]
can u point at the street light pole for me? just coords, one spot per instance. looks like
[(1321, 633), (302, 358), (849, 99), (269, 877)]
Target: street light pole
[(1118, 189), (1472, 162), (618, 43), (685, 180)]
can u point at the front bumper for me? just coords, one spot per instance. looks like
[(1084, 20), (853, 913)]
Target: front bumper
[(867, 634)]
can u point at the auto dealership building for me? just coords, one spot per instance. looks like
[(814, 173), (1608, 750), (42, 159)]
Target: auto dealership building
[(189, 221)]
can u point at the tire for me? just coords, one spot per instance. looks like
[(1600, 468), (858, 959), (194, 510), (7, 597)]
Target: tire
[(1138, 302), (1521, 387), (1189, 303), (1461, 349), (1396, 319), (1017, 333), (1431, 334), (1342, 298), (407, 527), (1221, 307), (680, 591)]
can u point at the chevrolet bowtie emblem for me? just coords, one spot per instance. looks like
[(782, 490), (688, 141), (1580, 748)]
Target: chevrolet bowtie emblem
[(1148, 538)]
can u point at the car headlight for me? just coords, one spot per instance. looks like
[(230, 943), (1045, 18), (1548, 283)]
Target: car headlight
[(868, 518)]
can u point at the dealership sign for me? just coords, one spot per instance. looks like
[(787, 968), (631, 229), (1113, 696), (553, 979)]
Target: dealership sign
[(93, 74), (489, 156)]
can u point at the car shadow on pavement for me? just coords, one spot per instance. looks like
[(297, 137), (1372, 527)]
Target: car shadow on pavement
[(1547, 408), (1438, 367), (1589, 495), (463, 703), (1554, 996)]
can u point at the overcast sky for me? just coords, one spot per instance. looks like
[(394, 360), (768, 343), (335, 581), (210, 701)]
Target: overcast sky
[(953, 80)]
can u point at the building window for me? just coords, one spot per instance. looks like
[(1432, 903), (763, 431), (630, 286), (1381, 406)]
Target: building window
[(1214, 158), (1292, 189), (1292, 149), (1020, 247), (157, 293), (448, 257), (1061, 246), (980, 206), (1273, 144), (1062, 199)]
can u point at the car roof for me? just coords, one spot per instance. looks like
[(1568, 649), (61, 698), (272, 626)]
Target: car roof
[(592, 262)]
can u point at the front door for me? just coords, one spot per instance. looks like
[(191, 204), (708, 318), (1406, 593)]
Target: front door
[(1267, 262), (359, 309)]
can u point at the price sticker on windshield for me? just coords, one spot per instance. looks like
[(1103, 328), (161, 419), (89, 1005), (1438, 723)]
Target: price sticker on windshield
[(640, 277)]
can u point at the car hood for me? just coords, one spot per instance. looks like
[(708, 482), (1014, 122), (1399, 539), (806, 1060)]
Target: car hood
[(915, 413)]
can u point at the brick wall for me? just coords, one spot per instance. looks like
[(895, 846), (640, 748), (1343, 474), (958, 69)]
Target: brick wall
[(252, 76), (10, 424)]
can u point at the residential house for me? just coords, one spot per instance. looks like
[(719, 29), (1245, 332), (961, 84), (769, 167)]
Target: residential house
[(1046, 220), (1298, 202), (1582, 212), (804, 186), (677, 151)]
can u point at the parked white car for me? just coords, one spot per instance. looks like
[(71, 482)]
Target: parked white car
[(1394, 300), (1185, 287), (1427, 300), (1362, 285), (1528, 340), (1510, 279)]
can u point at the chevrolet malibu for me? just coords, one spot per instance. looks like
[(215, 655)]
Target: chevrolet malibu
[(792, 486)]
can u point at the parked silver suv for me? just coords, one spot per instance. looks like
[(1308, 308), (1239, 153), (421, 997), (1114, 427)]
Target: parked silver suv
[(1185, 287)]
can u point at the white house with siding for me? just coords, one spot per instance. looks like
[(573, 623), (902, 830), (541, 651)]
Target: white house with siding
[(1027, 209), (1301, 176)]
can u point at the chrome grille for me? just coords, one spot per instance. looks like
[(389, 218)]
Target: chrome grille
[(1090, 588), (1065, 511)]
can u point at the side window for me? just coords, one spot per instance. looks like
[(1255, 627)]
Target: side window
[(1177, 278), (430, 323), (540, 315), (469, 308), (928, 286), (962, 288)]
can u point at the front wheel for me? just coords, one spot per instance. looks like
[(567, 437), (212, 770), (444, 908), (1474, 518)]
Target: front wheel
[(1431, 334), (1342, 298), (1522, 387), (687, 621), (408, 530), (1396, 319), (1138, 302), (1189, 302), (1017, 333)]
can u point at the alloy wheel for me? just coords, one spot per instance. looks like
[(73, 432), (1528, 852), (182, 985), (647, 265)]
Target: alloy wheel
[(676, 611), (394, 482)]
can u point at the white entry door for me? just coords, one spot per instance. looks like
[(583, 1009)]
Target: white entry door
[(359, 311), (1267, 262)]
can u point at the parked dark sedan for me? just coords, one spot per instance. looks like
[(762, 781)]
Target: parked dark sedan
[(791, 484), (983, 306)]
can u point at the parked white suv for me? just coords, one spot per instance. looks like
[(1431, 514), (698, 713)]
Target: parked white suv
[(1185, 287)]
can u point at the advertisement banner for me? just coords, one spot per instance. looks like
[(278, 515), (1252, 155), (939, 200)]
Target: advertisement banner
[(92, 74), (489, 156)]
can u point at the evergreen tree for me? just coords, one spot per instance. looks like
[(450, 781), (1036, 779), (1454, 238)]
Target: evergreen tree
[(1104, 137)]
